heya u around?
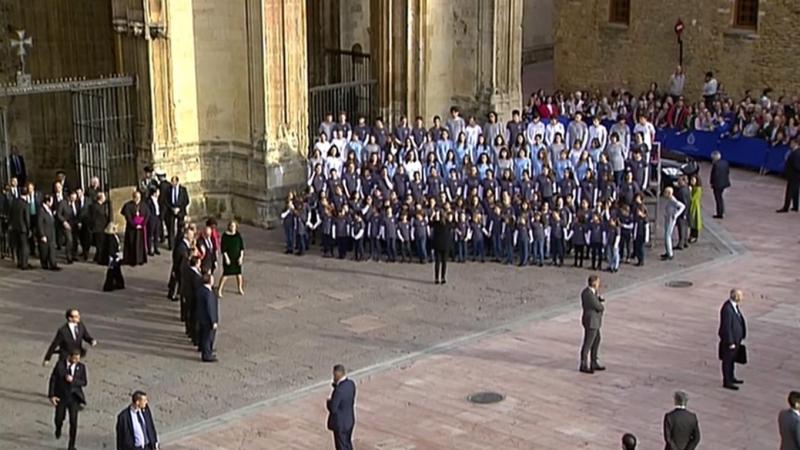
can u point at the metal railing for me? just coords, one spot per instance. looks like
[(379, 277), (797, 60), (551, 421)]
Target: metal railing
[(354, 98)]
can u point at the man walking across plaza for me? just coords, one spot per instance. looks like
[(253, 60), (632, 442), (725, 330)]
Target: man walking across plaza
[(672, 211), (732, 331), (789, 423), (135, 427), (341, 413), (65, 392), (681, 431), (592, 320), (46, 228), (69, 338), (720, 180)]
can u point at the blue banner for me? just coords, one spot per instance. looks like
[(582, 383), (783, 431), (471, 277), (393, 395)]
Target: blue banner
[(697, 144)]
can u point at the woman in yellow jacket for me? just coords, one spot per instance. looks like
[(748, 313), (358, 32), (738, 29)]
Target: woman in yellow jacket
[(695, 209)]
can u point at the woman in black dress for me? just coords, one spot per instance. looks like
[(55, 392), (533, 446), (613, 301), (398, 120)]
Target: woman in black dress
[(442, 236), (232, 249)]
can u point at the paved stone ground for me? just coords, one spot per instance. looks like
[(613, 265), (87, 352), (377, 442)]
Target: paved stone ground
[(300, 316), (655, 340)]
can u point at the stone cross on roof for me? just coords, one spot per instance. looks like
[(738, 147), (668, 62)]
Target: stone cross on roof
[(20, 43)]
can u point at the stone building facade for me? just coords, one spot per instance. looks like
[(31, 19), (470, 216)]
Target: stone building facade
[(222, 87), (593, 52)]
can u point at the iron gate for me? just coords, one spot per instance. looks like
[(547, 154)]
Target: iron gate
[(102, 126)]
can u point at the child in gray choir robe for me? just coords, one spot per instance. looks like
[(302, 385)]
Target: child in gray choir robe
[(522, 239), (420, 235), (374, 233), (596, 242), (389, 235), (460, 233), (341, 232), (537, 229), (477, 234), (557, 237), (326, 217), (404, 236), (612, 245), (578, 235), (357, 232)]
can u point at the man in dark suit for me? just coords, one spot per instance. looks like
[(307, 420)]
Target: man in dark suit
[(19, 225), (789, 423), (16, 163), (65, 392), (207, 317), (684, 195), (208, 250), (135, 427), (732, 331), (35, 199), (180, 258), (190, 285), (341, 413), (720, 180), (791, 170), (681, 431), (46, 228), (154, 228), (592, 320), (68, 215), (175, 213), (69, 338)]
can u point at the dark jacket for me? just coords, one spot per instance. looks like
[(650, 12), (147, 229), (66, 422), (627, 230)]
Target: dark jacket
[(789, 428), (59, 387), (442, 235), (125, 438), (19, 217), (181, 204), (64, 344), (592, 309), (341, 415), (98, 217), (732, 328), (207, 307), (720, 175), (46, 226), (681, 431)]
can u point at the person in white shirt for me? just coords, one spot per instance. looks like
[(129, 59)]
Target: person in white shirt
[(710, 88), (551, 129), (472, 131), (535, 127), (647, 129), (598, 131), (577, 131), (676, 82)]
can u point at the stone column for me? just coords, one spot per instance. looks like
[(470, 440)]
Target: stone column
[(286, 100), (505, 55)]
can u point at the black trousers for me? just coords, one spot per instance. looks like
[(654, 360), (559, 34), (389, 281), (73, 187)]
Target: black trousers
[(174, 228), (343, 440), (207, 337), (591, 344), (580, 251), (720, 202), (114, 279), (173, 285), (596, 250), (440, 265), (71, 406), (792, 197), (47, 255), (683, 231), (22, 252), (70, 244), (728, 363)]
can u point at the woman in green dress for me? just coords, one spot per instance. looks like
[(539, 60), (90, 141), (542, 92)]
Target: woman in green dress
[(232, 248), (695, 209)]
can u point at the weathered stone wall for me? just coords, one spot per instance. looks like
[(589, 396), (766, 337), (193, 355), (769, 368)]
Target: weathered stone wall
[(591, 53), (537, 31), (354, 24)]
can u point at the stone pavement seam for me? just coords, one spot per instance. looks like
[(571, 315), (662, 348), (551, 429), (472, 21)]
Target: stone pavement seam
[(735, 249)]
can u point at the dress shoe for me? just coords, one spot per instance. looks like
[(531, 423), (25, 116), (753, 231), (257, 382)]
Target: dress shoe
[(598, 368), (782, 210), (586, 370), (444, 281), (738, 381), (214, 359), (717, 216), (435, 281), (157, 252), (666, 258), (58, 433), (55, 268), (732, 387)]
